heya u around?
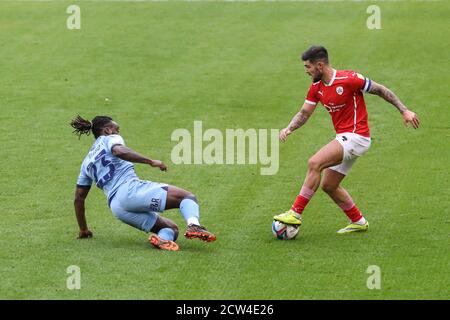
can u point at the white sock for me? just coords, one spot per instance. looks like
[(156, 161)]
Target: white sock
[(361, 221), (193, 220), (190, 211)]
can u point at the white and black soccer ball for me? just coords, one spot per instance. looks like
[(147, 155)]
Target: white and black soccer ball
[(283, 231)]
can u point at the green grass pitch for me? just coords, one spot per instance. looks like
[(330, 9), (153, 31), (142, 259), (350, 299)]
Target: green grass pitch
[(158, 66)]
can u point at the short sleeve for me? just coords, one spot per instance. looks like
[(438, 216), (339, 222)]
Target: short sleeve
[(83, 180), (311, 96), (113, 140), (359, 82)]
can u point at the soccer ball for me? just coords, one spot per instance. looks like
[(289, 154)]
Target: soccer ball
[(283, 231)]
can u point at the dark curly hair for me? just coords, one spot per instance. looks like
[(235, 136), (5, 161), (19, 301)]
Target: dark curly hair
[(83, 126), (315, 53)]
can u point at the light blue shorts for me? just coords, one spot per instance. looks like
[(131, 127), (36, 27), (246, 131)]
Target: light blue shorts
[(137, 202)]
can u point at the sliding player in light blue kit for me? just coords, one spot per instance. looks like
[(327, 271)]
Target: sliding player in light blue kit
[(133, 201)]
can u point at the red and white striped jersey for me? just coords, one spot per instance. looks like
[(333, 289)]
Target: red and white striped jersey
[(344, 100)]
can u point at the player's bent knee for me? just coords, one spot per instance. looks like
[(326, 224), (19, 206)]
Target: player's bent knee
[(191, 196), (313, 164), (184, 194)]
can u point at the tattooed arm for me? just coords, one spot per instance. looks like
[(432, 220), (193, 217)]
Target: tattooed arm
[(298, 120), (389, 96)]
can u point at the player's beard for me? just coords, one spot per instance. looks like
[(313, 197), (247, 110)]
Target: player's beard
[(318, 77)]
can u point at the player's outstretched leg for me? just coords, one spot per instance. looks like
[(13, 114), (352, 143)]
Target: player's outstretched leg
[(331, 185), (187, 202), (166, 232)]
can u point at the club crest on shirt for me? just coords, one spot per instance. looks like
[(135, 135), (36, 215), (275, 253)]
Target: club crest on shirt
[(339, 90)]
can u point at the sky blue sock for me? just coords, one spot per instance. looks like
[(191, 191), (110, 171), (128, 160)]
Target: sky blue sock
[(190, 211), (167, 234)]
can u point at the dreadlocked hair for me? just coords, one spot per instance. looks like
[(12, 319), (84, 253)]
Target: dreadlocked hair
[(83, 126)]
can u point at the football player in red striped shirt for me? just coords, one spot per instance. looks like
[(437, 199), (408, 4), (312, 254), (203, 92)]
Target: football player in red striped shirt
[(341, 93)]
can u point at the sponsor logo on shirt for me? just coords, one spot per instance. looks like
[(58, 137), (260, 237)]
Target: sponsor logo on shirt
[(332, 108)]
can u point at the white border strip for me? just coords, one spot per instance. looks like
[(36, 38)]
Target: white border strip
[(354, 110), (222, 1)]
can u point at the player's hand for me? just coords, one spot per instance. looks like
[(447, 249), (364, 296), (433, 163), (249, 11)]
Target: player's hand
[(159, 164), (410, 117), (84, 234), (284, 134)]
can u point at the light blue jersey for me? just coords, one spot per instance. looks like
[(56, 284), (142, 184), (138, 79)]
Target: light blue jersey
[(107, 171)]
